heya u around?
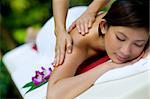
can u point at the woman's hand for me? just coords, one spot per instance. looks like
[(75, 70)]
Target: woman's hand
[(63, 44), (83, 23)]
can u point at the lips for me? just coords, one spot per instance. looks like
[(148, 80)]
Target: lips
[(121, 58)]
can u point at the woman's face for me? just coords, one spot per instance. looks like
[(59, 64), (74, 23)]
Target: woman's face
[(124, 44)]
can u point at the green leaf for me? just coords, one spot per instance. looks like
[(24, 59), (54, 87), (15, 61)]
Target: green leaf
[(28, 84), (33, 86)]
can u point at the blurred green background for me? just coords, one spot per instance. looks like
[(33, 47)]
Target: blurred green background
[(15, 18)]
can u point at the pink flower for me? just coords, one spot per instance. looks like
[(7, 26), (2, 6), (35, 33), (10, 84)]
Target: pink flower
[(46, 73), (41, 76)]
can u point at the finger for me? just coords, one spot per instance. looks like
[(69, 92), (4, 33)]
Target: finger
[(143, 53), (89, 24), (61, 58), (69, 45), (86, 27), (138, 58), (54, 62), (56, 53), (73, 25), (62, 54), (82, 29), (57, 58), (78, 27)]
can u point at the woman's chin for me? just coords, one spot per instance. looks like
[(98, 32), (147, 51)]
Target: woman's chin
[(118, 61)]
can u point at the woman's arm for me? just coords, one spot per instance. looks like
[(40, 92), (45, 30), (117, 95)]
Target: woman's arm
[(68, 86), (60, 8), (64, 84), (59, 85), (63, 39)]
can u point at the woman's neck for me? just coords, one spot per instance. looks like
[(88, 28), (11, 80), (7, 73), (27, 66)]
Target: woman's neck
[(99, 40)]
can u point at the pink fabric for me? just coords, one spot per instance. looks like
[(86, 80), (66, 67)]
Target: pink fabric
[(34, 47)]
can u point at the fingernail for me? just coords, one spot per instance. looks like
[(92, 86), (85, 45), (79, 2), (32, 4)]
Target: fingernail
[(82, 33), (69, 51), (56, 64)]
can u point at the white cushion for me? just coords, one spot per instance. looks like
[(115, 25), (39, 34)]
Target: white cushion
[(124, 72)]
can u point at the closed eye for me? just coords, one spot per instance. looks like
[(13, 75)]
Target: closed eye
[(139, 45), (119, 38)]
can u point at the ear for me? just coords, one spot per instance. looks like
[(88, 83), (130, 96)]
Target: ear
[(103, 26)]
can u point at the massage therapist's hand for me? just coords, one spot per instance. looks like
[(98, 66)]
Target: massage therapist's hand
[(63, 45), (83, 23)]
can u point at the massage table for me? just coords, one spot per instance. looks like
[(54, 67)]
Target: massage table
[(129, 82)]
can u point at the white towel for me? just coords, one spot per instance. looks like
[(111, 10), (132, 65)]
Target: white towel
[(124, 72)]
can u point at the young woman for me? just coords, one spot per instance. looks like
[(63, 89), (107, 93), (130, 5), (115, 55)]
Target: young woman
[(123, 33)]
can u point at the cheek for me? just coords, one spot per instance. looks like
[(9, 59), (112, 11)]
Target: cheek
[(136, 52), (111, 44)]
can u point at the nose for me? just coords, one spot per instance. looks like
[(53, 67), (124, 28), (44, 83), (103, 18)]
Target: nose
[(125, 50)]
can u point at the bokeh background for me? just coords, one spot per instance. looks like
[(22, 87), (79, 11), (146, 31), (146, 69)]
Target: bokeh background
[(16, 17)]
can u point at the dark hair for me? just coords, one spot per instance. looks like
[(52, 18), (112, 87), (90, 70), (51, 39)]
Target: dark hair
[(130, 13)]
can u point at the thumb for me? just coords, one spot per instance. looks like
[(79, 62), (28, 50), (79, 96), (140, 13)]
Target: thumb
[(73, 25)]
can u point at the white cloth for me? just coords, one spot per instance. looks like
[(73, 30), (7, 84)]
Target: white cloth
[(124, 72)]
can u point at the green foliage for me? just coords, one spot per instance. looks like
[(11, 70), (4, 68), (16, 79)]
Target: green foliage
[(15, 17), (79, 2), (32, 86), (19, 35), (23, 13), (4, 80)]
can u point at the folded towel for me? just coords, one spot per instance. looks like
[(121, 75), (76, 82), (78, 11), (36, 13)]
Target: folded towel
[(124, 72)]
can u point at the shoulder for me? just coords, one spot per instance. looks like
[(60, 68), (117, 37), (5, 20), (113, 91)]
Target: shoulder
[(85, 43), (78, 39), (90, 40)]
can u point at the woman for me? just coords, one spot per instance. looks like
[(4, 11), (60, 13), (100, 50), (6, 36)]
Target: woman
[(123, 33)]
